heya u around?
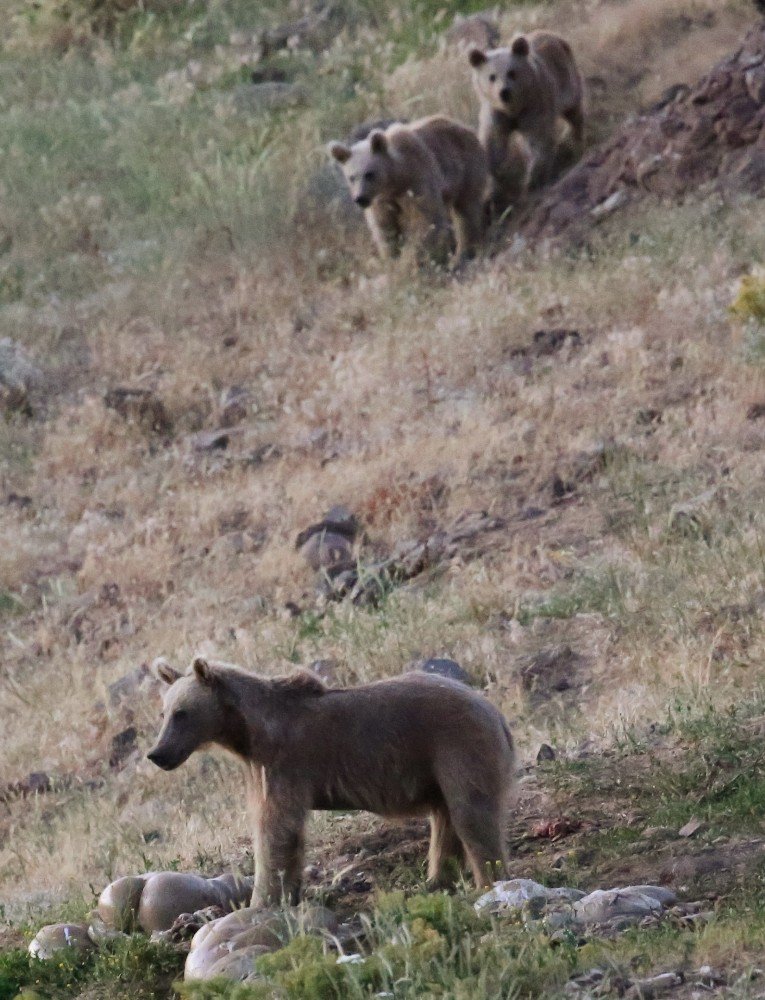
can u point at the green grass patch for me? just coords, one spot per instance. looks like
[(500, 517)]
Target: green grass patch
[(133, 969), (710, 765)]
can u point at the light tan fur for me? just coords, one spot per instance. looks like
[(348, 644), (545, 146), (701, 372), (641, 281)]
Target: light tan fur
[(525, 90), (436, 167), (415, 745)]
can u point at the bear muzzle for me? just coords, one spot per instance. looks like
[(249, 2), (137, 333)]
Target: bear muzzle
[(505, 94), (362, 201), (162, 759)]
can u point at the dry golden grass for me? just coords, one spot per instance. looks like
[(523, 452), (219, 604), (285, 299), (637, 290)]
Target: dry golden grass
[(397, 395)]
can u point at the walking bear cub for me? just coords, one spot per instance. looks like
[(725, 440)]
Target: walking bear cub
[(430, 168), (524, 90), (415, 745)]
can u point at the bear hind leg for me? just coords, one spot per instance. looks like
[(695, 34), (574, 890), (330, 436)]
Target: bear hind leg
[(468, 230), (478, 824)]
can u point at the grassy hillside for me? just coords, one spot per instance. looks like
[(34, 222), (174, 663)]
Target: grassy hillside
[(167, 225)]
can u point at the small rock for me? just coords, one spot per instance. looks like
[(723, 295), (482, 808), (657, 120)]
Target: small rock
[(545, 753), (443, 667), (141, 406), (709, 976), (19, 500), (610, 205), (217, 440), (548, 342), (139, 683), (479, 30), (551, 670), (656, 986), (633, 902), (19, 376), (691, 827), (234, 406), (516, 893), (531, 513), (122, 746), (56, 937)]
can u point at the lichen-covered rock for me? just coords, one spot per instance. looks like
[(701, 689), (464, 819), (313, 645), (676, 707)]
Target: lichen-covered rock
[(519, 893), (711, 135), (632, 902), (56, 937)]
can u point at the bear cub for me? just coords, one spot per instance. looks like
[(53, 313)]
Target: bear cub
[(426, 171), (525, 90)]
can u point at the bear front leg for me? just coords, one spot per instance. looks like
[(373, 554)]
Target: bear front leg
[(279, 845), (543, 151), (437, 242), (384, 222)]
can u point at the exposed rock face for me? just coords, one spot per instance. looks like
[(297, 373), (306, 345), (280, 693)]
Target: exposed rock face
[(712, 134)]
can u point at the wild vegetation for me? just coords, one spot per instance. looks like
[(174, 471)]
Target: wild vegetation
[(169, 226)]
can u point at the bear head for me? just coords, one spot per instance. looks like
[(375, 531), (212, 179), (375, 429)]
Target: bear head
[(505, 78), (194, 713), (366, 165)]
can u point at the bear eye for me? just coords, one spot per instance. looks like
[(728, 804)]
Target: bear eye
[(161, 716), (369, 175), (492, 77), (511, 74), (352, 178)]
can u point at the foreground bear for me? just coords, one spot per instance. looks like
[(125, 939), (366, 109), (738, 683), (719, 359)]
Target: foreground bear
[(431, 168), (418, 744), (524, 91)]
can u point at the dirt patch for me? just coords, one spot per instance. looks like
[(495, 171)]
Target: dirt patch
[(710, 135)]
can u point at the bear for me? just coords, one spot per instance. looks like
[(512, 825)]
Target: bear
[(524, 91), (419, 744), (432, 168)]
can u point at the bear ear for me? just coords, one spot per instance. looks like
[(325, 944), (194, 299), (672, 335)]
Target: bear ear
[(162, 669), (520, 46), (378, 143), (205, 674), (477, 57), (339, 152)]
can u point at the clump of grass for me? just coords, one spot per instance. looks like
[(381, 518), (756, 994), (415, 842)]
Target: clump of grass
[(749, 303), (134, 969), (709, 764)]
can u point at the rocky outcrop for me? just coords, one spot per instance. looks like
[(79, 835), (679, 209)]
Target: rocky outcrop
[(710, 135)]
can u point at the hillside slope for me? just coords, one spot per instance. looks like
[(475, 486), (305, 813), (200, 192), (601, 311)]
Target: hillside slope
[(214, 360)]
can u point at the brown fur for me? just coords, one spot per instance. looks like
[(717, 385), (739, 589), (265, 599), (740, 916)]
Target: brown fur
[(435, 166), (524, 91), (415, 745)]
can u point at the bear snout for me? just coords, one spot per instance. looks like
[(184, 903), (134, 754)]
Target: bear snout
[(362, 201), (160, 759), (505, 94)]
